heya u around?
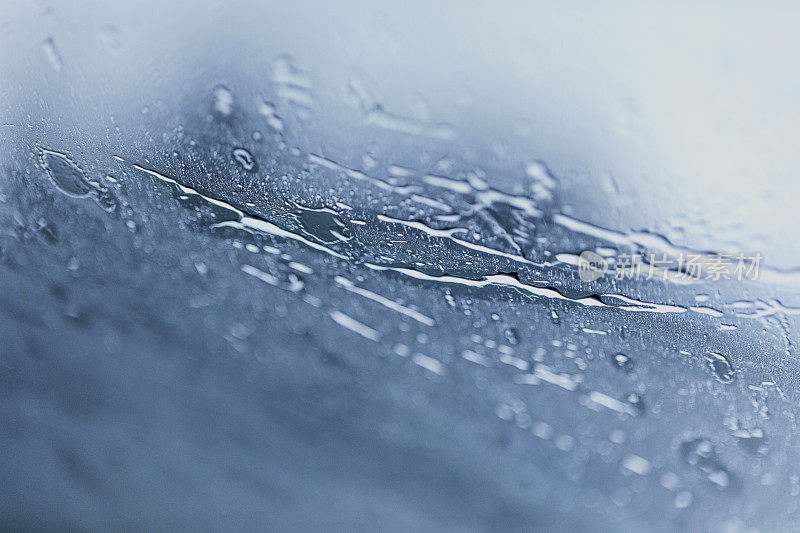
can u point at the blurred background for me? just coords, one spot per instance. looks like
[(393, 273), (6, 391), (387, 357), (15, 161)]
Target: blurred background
[(307, 266)]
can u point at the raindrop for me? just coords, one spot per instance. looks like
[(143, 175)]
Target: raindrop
[(721, 366), (702, 454), (322, 224), (246, 159), (223, 101), (622, 361), (754, 440), (68, 177), (683, 499), (109, 35), (637, 403), (542, 181), (50, 50), (512, 336), (267, 109)]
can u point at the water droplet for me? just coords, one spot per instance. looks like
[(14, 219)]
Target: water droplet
[(637, 403), (542, 181), (267, 109), (636, 464), (288, 281), (753, 440), (108, 201), (223, 101), (683, 499), (386, 302), (322, 224), (622, 361), (428, 363), (68, 177), (512, 336), (246, 159), (721, 366), (374, 114), (702, 454), (355, 326), (293, 85), (109, 35), (50, 50)]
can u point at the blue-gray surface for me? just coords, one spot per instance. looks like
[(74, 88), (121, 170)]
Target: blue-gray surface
[(312, 266)]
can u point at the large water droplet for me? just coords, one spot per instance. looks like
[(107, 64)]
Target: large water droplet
[(721, 367), (246, 159), (322, 224), (68, 177)]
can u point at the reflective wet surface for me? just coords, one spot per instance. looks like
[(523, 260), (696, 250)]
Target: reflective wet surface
[(311, 267)]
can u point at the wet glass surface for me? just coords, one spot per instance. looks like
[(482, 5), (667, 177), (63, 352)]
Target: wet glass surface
[(357, 266)]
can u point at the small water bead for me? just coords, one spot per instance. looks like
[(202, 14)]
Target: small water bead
[(637, 403), (622, 362)]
